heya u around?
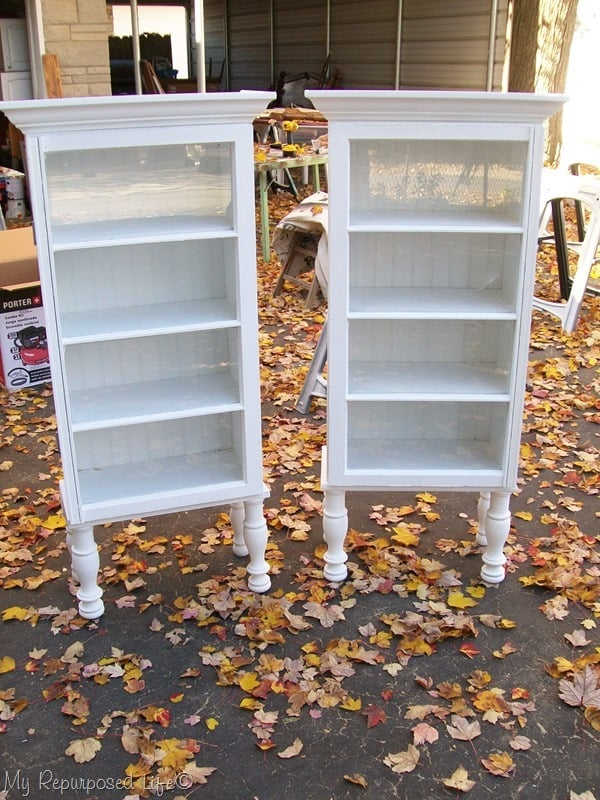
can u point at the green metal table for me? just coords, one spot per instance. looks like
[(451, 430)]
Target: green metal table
[(261, 168)]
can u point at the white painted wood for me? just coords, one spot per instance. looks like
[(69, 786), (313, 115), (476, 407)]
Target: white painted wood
[(14, 51), (255, 537), (483, 505), (237, 514), (497, 528), (144, 220), (85, 565), (433, 207)]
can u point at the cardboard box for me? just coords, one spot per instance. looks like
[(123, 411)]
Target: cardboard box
[(18, 257), (23, 348)]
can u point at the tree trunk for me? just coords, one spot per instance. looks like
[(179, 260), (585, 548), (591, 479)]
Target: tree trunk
[(557, 24), (542, 32), (523, 46)]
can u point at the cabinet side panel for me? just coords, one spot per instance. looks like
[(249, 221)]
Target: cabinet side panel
[(531, 212), (337, 346), (244, 224), (35, 176)]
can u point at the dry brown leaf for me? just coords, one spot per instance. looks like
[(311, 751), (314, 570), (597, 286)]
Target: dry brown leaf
[(83, 750), (499, 764), (357, 779), (405, 761), (423, 733), (459, 780), (462, 730), (293, 750)]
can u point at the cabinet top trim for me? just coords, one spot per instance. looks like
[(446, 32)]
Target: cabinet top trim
[(403, 105), (127, 111)]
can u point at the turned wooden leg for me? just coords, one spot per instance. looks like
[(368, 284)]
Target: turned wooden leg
[(335, 527), (255, 536), (482, 510), (85, 564), (497, 528), (236, 515), (69, 548)]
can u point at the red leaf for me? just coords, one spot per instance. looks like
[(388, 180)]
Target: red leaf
[(387, 695), (468, 649), (374, 715)]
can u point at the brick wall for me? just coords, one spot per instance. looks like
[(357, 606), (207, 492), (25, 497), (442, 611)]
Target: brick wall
[(77, 32)]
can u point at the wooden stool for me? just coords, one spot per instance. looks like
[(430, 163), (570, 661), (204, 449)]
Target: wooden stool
[(301, 244)]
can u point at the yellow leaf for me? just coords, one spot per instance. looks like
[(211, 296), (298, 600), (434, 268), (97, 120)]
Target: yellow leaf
[(54, 522), (427, 497), (350, 704), (526, 515), (260, 156), (211, 723), (176, 698), (249, 682), (458, 600), (404, 536), (7, 664), (507, 624), (251, 704), (14, 612), (476, 591)]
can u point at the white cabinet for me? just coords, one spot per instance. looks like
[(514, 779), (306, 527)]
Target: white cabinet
[(433, 203), (14, 51), (144, 217)]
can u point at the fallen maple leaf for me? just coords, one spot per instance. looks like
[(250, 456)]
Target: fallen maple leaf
[(520, 743), (293, 750), (499, 764), (7, 664), (357, 779), (458, 600), (405, 761), (83, 750), (459, 780), (196, 773), (423, 733), (211, 723), (577, 638), (462, 730), (326, 615), (592, 715), (468, 649), (582, 691), (375, 715)]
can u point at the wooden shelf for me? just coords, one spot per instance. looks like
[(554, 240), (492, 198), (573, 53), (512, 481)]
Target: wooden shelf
[(384, 380), (152, 401), (139, 231), (429, 303), (158, 477), (120, 323)]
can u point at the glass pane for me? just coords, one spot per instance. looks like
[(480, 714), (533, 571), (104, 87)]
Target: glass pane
[(146, 285), (426, 436), (179, 184), (392, 272), (430, 356), (138, 460), (123, 379), (404, 180)]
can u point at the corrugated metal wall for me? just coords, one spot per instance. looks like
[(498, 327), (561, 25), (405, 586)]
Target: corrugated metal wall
[(444, 44), (300, 39), (363, 42)]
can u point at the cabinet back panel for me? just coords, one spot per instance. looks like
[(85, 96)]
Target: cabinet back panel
[(142, 274), (135, 444), (152, 358), (89, 186), (437, 341), (437, 177), (479, 261)]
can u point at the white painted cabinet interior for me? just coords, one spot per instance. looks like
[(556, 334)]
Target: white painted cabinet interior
[(144, 218), (433, 220)]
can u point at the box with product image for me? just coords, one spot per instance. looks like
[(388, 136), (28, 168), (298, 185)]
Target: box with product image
[(23, 348)]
